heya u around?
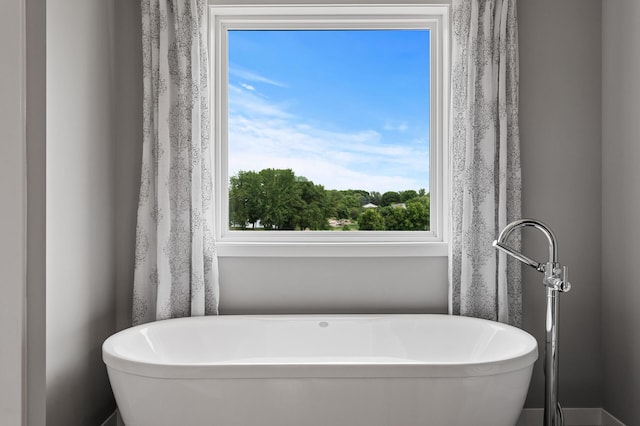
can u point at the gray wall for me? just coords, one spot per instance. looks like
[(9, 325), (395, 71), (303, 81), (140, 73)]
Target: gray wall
[(560, 117), (560, 51), (621, 209), (80, 221), (13, 212), (36, 210), (128, 147)]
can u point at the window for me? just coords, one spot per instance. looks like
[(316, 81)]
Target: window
[(329, 119)]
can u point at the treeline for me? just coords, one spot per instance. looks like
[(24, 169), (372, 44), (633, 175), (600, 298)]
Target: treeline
[(277, 199)]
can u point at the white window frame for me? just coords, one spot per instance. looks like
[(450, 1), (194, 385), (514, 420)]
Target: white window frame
[(331, 243)]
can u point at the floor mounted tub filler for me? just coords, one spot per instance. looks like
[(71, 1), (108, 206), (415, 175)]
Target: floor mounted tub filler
[(321, 370)]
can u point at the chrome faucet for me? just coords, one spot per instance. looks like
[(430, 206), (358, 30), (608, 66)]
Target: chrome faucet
[(556, 279)]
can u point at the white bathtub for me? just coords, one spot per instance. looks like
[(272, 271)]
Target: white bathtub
[(321, 370)]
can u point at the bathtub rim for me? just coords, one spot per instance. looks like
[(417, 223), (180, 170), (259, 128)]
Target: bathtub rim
[(359, 369)]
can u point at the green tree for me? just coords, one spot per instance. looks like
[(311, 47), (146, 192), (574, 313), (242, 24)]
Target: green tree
[(333, 200), (390, 197), (245, 199), (394, 218), (314, 208), (280, 199), (354, 212), (407, 195), (343, 202), (370, 220), (375, 198), (417, 217)]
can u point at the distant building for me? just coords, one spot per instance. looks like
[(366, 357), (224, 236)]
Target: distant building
[(339, 222), (369, 206), (399, 205)]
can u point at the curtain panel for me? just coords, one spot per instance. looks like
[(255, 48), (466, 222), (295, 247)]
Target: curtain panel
[(485, 159), (176, 270)]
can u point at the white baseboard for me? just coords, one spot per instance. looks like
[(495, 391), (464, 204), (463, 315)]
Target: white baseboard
[(572, 417)]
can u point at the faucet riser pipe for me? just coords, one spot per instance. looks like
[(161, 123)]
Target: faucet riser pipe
[(551, 417)]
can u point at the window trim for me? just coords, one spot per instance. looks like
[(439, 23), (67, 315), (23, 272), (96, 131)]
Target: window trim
[(331, 243)]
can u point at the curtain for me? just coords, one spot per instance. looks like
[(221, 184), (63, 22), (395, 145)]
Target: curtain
[(176, 271), (486, 182)]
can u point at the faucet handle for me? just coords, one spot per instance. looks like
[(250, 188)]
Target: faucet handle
[(557, 278), (565, 286)]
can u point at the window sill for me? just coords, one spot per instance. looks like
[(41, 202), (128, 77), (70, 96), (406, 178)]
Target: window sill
[(279, 249)]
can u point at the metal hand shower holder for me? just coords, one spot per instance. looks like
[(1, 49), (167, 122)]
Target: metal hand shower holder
[(556, 279)]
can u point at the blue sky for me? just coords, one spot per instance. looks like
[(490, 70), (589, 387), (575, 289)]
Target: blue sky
[(346, 109)]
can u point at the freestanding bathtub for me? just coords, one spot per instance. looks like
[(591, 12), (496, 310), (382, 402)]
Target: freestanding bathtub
[(320, 370)]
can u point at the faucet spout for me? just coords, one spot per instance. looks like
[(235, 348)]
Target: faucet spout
[(500, 243), (540, 267)]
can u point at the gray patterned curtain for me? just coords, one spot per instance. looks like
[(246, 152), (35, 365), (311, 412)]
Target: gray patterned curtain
[(485, 159), (176, 271)]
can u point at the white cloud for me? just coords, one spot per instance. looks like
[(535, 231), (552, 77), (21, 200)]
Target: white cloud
[(264, 134), (421, 141), (253, 76), (335, 160), (248, 87), (326, 172), (248, 103), (396, 127)]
